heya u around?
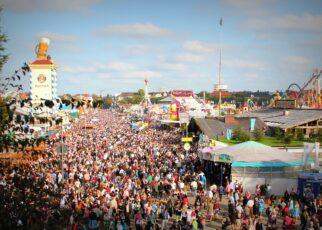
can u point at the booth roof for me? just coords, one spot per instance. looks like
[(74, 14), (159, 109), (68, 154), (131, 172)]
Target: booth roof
[(252, 151)]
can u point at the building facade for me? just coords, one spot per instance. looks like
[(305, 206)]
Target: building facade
[(43, 81)]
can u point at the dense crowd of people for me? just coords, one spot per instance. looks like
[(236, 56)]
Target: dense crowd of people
[(114, 177)]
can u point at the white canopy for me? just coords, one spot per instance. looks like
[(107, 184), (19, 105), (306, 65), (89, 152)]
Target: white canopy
[(252, 151)]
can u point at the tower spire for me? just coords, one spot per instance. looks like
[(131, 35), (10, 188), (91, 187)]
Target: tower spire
[(219, 69)]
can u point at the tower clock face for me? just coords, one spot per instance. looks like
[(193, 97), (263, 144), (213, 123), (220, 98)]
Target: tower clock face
[(41, 78)]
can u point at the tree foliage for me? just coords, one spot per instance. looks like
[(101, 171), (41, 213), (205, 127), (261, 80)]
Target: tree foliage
[(300, 135), (287, 139), (141, 92), (3, 39), (240, 135), (258, 134)]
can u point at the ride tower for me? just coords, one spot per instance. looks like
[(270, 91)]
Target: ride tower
[(146, 100)]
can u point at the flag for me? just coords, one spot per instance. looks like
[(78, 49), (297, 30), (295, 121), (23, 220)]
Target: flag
[(228, 134), (252, 124), (308, 148), (220, 22), (317, 159)]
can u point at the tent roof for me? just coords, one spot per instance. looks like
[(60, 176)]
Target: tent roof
[(214, 127), (252, 151), (278, 118), (167, 99)]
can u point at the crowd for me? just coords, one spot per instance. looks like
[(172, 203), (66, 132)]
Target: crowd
[(114, 177)]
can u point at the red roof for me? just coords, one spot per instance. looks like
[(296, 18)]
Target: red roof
[(42, 62), (182, 93)]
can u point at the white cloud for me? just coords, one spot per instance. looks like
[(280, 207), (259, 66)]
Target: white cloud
[(119, 66), (60, 42), (57, 37), (245, 3), (137, 30), (251, 75), (244, 64), (189, 57), (305, 22), (255, 8), (145, 74), (78, 69), (111, 70), (140, 49), (104, 76), (199, 46), (55, 5), (171, 66), (297, 60)]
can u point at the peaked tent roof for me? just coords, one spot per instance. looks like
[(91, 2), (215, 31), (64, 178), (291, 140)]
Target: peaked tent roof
[(252, 151), (166, 99), (213, 127)]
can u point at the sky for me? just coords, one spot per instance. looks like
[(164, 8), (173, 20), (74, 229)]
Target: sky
[(111, 46)]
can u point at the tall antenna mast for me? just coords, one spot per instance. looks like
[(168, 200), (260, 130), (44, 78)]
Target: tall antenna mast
[(219, 69)]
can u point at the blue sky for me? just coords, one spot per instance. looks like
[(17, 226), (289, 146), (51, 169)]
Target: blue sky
[(111, 46)]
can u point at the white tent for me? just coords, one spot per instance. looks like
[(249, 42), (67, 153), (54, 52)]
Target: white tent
[(252, 151), (254, 163)]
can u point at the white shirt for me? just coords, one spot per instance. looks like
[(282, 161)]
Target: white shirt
[(210, 194), (194, 184), (181, 185)]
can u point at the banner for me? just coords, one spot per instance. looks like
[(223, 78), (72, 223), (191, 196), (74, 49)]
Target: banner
[(308, 148), (252, 124), (228, 134), (317, 160), (201, 138)]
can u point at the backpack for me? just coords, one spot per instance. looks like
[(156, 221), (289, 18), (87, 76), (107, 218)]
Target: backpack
[(138, 222), (259, 226), (92, 224)]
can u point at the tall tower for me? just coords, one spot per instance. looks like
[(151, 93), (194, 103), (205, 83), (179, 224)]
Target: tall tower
[(43, 80), (146, 99), (220, 87)]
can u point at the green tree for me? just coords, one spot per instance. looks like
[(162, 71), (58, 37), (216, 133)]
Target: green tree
[(3, 39), (319, 136), (243, 136), (277, 132), (4, 115), (141, 92), (240, 135), (258, 134), (108, 101), (287, 139), (236, 133), (300, 135)]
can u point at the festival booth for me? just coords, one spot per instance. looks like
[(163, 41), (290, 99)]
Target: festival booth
[(254, 164), (310, 183), (217, 166)]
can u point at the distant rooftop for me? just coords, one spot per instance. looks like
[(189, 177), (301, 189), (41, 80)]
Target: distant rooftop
[(285, 118)]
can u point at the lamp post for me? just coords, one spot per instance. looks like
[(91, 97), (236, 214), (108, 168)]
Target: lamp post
[(62, 150), (101, 94)]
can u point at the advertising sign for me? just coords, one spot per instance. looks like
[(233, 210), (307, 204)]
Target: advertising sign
[(186, 139)]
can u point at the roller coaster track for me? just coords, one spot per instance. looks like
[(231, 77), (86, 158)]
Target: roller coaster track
[(313, 78)]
